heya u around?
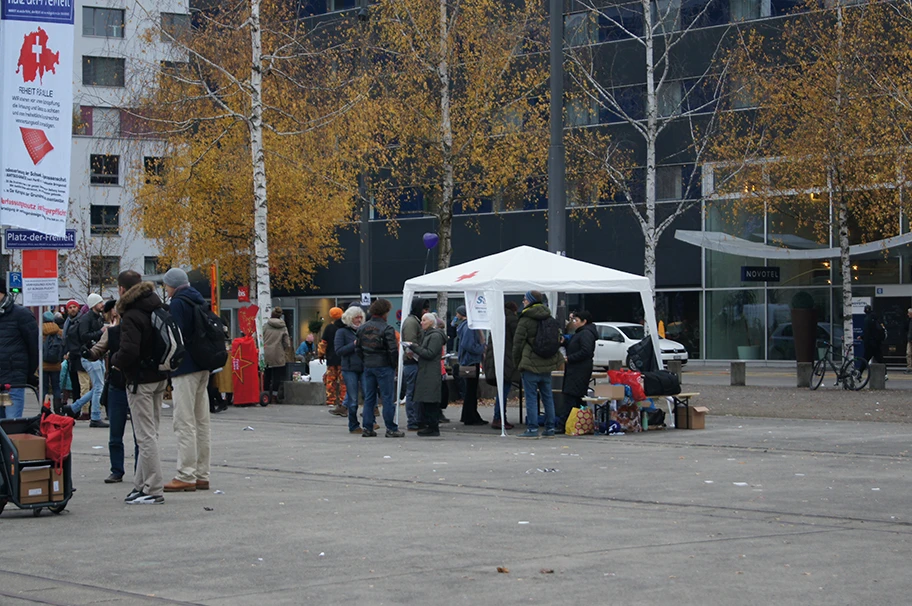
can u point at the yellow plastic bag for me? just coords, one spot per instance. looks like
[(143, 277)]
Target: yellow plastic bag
[(581, 422)]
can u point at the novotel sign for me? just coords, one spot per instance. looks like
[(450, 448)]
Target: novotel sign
[(759, 274), (26, 238)]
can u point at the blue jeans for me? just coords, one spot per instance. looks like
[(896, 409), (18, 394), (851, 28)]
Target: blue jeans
[(506, 393), (352, 389), (96, 374), (17, 410), (117, 412), (412, 409), (382, 380), (538, 386)]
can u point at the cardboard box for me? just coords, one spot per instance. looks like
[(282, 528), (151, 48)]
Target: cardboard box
[(56, 484), (696, 417), (608, 391), (34, 485), (29, 447), (680, 413)]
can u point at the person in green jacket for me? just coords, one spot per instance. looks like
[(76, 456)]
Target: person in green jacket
[(536, 371)]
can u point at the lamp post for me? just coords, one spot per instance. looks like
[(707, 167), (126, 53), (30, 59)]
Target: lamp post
[(364, 226), (557, 195)]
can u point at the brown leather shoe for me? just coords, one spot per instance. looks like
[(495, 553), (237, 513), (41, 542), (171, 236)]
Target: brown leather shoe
[(176, 485), (202, 484)]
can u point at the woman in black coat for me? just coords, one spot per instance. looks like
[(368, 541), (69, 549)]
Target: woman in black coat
[(578, 370)]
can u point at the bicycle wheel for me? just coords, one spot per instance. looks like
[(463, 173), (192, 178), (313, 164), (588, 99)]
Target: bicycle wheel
[(860, 373), (817, 374)]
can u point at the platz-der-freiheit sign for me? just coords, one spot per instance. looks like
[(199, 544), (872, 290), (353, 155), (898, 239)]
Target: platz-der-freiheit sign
[(26, 238), (759, 274)]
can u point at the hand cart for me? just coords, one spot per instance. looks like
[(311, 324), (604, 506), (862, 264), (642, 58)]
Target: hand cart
[(11, 468)]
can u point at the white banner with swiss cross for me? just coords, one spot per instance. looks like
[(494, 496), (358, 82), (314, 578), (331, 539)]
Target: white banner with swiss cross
[(36, 113)]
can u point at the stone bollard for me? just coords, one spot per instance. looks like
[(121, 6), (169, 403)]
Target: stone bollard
[(738, 373), (805, 370), (675, 367), (614, 364), (878, 376)]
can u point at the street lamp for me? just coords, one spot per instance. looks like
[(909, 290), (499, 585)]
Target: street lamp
[(364, 226)]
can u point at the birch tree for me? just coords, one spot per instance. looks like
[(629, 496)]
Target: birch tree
[(821, 141), (255, 109), (464, 97), (637, 78)]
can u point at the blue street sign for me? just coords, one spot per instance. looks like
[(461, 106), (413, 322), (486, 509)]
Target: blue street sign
[(14, 281), (26, 238)]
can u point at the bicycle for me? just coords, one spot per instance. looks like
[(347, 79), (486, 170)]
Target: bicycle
[(853, 373)]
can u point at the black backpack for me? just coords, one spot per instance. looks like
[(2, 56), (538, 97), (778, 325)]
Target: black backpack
[(169, 343), (54, 349), (207, 343), (547, 339)]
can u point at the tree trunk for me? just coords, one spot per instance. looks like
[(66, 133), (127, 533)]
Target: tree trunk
[(258, 157), (445, 212), (648, 224), (842, 216)]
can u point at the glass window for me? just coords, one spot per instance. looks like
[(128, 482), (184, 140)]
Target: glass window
[(620, 22), (724, 269), (742, 10), (631, 102), (580, 29), (635, 332), (735, 321), (103, 272), (150, 266), (105, 169), (582, 111), (668, 183), (668, 99), (154, 168), (174, 26), (781, 320), (105, 122), (105, 220), (666, 15), (340, 5), (609, 333), (102, 71), (680, 312), (105, 22)]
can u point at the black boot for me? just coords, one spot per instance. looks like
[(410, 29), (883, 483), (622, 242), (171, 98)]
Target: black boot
[(432, 418)]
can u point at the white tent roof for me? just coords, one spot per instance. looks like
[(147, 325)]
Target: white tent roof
[(522, 269)]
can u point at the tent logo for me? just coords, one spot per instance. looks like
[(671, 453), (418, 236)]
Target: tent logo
[(467, 276)]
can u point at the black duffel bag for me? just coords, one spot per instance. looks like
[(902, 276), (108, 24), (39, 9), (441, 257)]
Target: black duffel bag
[(661, 383)]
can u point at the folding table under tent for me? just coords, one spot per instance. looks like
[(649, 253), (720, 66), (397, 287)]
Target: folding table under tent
[(517, 271)]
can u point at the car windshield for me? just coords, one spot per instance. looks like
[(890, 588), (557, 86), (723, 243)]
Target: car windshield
[(637, 333)]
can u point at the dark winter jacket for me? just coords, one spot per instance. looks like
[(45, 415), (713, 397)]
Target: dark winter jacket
[(71, 338), (428, 352), (18, 343), (181, 309), (873, 332), (89, 329), (108, 345), (137, 337), (329, 335), (411, 333), (526, 329), (578, 371), (509, 367), (909, 331), (344, 344), (471, 346), (377, 344)]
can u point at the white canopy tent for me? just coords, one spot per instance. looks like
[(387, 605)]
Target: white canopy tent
[(519, 270)]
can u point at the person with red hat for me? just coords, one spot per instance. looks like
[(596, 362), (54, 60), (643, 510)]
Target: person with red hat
[(332, 379), (74, 365)]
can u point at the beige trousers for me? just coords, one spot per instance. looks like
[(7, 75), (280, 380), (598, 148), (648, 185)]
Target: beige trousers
[(145, 408), (191, 425)]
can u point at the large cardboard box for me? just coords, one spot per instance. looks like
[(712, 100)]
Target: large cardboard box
[(608, 391), (56, 484), (34, 485), (696, 417), (29, 447)]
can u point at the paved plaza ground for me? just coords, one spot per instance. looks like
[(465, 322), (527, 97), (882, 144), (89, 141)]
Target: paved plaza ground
[(751, 510)]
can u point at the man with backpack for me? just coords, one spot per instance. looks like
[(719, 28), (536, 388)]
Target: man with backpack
[(536, 352), (138, 360), (190, 383)]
